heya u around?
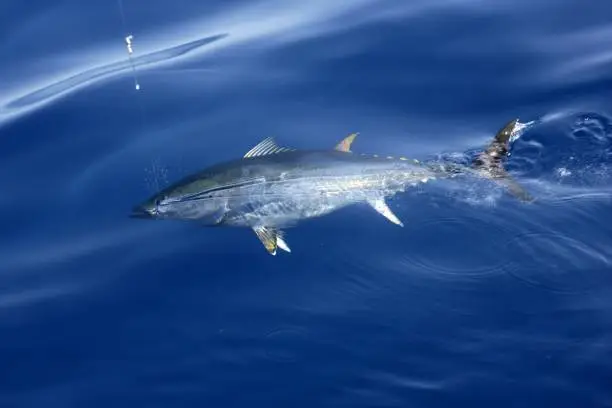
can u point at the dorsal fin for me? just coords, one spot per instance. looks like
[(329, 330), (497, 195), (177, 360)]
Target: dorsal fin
[(266, 147), (345, 144)]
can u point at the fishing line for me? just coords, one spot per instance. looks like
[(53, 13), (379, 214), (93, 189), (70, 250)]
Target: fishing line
[(128, 44), (129, 38)]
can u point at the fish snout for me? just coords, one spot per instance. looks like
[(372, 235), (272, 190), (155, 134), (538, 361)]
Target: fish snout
[(141, 211)]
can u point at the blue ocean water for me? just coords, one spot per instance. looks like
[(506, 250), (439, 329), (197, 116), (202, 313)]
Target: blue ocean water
[(479, 300)]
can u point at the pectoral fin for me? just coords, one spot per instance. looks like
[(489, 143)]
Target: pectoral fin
[(272, 239), (382, 208), (345, 144)]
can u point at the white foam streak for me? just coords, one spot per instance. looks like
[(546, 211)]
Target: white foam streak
[(27, 297), (278, 21), (575, 56), (31, 256)]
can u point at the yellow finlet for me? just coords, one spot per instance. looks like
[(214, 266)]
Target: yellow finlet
[(345, 144)]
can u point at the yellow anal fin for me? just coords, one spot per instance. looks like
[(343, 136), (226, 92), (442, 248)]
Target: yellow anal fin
[(272, 239), (345, 144), (267, 236)]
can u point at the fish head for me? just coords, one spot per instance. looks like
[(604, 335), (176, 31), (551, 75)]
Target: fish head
[(189, 200)]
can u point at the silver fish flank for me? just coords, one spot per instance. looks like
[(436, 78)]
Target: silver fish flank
[(272, 187)]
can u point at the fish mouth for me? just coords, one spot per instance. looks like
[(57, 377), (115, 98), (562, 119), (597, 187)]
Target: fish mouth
[(141, 212)]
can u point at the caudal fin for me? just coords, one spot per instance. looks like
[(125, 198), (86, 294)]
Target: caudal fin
[(490, 162)]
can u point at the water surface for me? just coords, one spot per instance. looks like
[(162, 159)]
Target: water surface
[(479, 300)]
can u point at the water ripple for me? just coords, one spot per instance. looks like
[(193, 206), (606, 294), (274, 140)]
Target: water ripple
[(556, 262), (452, 264), (282, 344)]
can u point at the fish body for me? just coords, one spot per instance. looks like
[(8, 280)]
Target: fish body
[(274, 187)]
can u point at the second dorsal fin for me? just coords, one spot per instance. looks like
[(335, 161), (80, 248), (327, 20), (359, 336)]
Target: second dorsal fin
[(345, 144), (266, 147)]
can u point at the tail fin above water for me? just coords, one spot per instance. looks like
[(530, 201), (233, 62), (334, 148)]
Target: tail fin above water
[(490, 161)]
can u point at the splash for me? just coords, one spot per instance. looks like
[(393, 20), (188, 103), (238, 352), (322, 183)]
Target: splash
[(570, 150), (156, 176)]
